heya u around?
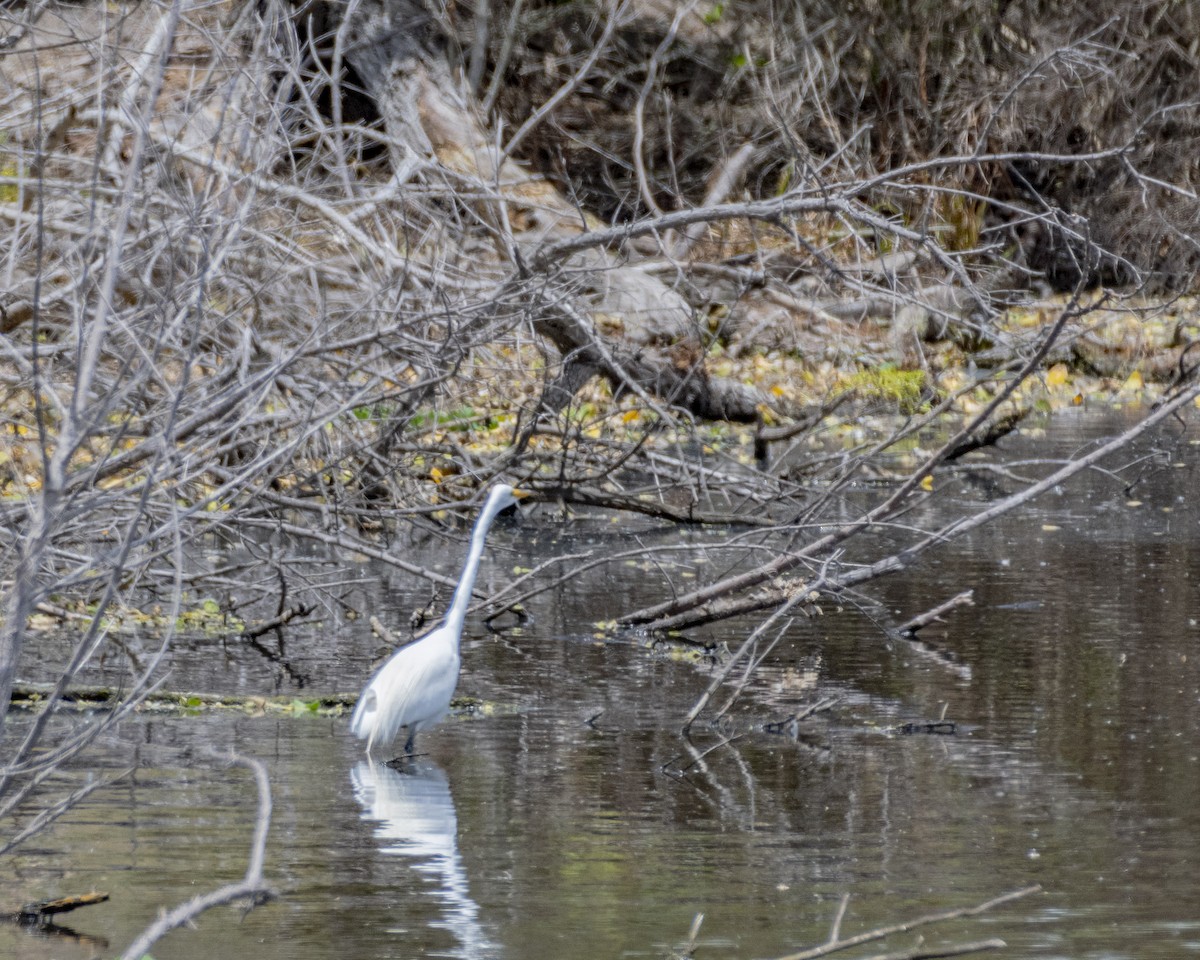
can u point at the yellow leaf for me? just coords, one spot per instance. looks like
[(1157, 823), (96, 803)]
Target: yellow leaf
[(1134, 382), (630, 415), (1078, 399), (436, 475), (1058, 375), (927, 482)]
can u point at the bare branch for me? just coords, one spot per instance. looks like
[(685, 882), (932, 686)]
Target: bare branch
[(252, 887)]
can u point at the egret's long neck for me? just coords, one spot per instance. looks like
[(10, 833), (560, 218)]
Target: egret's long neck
[(466, 583)]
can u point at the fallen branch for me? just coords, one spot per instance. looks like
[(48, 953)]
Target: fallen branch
[(909, 629), (41, 911), (828, 198), (708, 611), (990, 436), (288, 615)]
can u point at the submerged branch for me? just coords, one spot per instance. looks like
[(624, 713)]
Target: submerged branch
[(32, 696), (834, 944)]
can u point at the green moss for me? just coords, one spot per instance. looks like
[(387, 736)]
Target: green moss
[(8, 191), (902, 388)]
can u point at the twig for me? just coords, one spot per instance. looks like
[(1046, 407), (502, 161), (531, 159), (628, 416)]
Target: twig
[(479, 45), (385, 634), (506, 49), (835, 930), (797, 596), (700, 756), (615, 14), (639, 111), (689, 946), (252, 887), (286, 617)]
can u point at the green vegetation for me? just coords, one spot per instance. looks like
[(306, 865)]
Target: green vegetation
[(902, 390)]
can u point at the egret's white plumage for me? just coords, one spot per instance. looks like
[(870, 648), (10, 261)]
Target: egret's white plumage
[(413, 688)]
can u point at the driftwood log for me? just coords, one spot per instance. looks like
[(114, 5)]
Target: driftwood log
[(43, 911)]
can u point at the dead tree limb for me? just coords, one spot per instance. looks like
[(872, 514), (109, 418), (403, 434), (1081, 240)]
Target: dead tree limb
[(910, 628), (712, 598), (41, 911)]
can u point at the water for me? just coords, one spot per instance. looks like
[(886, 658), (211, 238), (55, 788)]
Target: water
[(559, 822)]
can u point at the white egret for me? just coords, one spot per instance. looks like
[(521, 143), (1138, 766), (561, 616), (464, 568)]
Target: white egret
[(413, 688)]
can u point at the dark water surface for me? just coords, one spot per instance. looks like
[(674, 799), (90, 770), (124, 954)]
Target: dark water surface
[(530, 833)]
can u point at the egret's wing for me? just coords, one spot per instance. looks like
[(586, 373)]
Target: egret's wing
[(413, 687), (363, 718)]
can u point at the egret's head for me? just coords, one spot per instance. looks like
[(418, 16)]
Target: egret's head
[(506, 498)]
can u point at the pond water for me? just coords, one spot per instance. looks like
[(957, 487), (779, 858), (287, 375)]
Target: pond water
[(573, 819)]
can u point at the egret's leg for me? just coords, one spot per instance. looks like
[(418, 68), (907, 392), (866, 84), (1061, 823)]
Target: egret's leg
[(408, 746)]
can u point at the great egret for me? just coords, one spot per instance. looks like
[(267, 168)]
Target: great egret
[(413, 688)]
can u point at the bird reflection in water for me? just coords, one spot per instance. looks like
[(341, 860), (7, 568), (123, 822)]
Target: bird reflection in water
[(414, 817)]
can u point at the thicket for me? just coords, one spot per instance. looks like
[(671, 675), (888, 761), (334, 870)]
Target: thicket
[(828, 91)]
